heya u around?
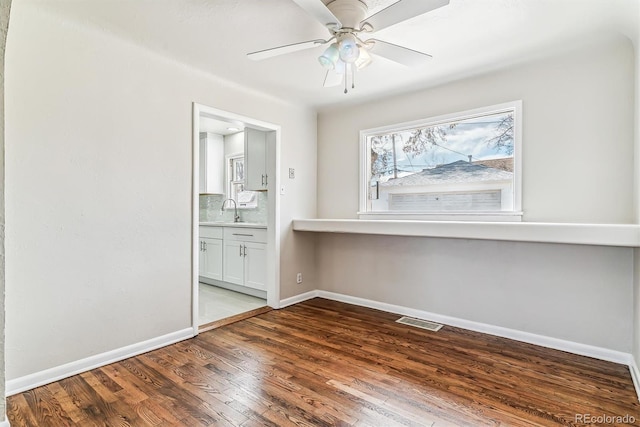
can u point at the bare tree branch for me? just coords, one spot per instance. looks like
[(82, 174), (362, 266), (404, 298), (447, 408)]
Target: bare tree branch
[(503, 139)]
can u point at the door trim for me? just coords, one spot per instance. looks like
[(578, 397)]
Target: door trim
[(273, 210)]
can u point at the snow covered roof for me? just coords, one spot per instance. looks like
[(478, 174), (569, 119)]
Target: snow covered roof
[(451, 173), (504, 163)]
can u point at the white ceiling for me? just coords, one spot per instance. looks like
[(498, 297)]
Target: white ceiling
[(220, 127), (466, 37)]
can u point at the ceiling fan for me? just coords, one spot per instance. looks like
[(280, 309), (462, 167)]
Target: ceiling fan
[(347, 23)]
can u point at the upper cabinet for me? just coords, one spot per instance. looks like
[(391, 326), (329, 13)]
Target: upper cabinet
[(256, 143), (211, 163)]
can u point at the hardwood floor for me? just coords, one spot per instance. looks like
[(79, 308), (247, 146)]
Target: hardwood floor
[(323, 363)]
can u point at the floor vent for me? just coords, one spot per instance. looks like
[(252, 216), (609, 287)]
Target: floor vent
[(419, 323)]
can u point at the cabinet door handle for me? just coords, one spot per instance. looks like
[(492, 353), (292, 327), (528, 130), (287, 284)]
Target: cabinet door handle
[(266, 180), (204, 246), (262, 179), (244, 252), (240, 250), (201, 242), (240, 234)]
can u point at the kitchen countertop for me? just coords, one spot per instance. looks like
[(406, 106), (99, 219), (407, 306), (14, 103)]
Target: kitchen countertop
[(234, 224)]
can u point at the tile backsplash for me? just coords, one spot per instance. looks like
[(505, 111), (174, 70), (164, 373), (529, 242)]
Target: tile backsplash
[(210, 205)]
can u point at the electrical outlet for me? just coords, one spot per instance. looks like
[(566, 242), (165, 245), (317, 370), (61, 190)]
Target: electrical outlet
[(299, 278), (292, 173)]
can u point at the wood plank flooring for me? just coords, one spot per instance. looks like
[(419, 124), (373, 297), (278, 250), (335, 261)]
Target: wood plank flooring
[(324, 363)]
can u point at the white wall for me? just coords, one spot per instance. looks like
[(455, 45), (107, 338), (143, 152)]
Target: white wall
[(577, 133), (298, 250), (578, 151), (5, 7), (636, 306), (636, 337), (98, 170)]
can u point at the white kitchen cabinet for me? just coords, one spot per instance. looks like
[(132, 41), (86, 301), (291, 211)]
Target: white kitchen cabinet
[(211, 163), (256, 144), (255, 265), (233, 262), (211, 252), (244, 257), (211, 264)]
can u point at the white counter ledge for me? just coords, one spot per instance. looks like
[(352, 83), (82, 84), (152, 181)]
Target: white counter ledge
[(234, 224), (625, 235)]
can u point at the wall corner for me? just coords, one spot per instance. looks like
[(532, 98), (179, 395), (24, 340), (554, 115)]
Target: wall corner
[(5, 8)]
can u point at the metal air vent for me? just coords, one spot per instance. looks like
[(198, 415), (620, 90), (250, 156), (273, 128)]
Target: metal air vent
[(419, 323)]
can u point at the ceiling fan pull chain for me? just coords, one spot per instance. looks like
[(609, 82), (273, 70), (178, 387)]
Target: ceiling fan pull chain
[(353, 77), (345, 82)]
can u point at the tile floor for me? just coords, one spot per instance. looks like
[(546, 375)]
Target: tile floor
[(216, 303)]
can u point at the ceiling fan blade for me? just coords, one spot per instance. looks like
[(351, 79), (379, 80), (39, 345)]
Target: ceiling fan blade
[(333, 79), (399, 54), (281, 50), (320, 12), (401, 11)]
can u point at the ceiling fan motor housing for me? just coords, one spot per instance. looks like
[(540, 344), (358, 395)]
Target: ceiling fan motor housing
[(349, 12)]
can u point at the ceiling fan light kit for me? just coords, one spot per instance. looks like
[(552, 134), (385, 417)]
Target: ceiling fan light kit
[(346, 20), (330, 56), (348, 48), (364, 59)]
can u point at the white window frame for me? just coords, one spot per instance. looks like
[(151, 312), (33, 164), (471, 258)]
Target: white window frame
[(365, 168), (228, 173)]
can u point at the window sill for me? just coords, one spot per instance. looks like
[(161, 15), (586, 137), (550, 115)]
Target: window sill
[(450, 216), (623, 235)]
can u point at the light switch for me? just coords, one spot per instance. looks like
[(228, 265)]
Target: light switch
[(292, 173)]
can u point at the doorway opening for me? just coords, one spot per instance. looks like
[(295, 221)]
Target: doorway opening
[(235, 250)]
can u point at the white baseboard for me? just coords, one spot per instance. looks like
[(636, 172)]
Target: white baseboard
[(56, 373), (541, 340), (5, 423), (635, 376), (298, 298)]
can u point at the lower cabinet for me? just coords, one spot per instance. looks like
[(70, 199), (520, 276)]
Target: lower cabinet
[(244, 257), (210, 259), (235, 255), (255, 265), (233, 262)]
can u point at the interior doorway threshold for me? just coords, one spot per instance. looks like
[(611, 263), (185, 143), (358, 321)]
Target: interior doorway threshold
[(229, 320)]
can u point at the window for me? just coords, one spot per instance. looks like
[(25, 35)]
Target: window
[(236, 175), (236, 180), (460, 166)]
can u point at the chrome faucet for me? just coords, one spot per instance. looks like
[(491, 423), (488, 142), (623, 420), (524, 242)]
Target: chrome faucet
[(236, 217)]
